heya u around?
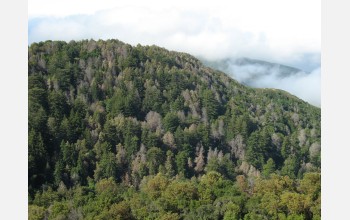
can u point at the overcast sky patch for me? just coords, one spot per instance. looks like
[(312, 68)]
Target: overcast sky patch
[(286, 32)]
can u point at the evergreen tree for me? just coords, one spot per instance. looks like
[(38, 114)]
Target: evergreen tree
[(169, 164), (268, 168)]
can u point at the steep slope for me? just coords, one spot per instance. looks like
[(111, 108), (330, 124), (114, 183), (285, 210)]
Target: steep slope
[(105, 109)]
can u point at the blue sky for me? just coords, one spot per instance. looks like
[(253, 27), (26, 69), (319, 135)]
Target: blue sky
[(286, 32)]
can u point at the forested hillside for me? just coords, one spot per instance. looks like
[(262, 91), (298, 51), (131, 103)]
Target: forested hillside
[(122, 132)]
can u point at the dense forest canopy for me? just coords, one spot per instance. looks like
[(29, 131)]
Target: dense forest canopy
[(123, 132)]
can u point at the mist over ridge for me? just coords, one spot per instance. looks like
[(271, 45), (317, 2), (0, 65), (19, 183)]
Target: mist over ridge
[(213, 31), (262, 74)]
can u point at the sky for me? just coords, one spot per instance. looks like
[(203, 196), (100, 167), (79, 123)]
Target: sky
[(286, 32)]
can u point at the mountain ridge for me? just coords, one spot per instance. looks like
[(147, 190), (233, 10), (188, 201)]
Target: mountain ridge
[(106, 117)]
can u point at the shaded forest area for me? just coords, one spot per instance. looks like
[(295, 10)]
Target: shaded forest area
[(122, 132)]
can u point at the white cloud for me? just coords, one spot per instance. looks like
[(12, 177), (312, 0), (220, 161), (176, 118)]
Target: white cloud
[(270, 29), (287, 32), (306, 86)]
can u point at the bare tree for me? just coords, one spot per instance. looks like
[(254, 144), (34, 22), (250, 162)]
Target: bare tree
[(276, 140), (189, 162), (302, 137), (217, 129), (314, 149), (169, 140), (237, 147), (199, 160), (154, 121), (212, 154), (220, 156), (121, 154), (181, 116)]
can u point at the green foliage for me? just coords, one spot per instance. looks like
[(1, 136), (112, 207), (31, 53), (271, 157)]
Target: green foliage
[(117, 132), (155, 158), (107, 167), (210, 104), (211, 196), (178, 195), (169, 164), (269, 167), (120, 211), (59, 210), (256, 149), (37, 157), (36, 212), (181, 162), (290, 167), (171, 122), (58, 105)]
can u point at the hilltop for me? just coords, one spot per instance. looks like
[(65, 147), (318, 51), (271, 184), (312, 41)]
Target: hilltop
[(109, 119)]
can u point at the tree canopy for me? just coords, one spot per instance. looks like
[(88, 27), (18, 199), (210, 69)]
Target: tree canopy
[(124, 132)]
